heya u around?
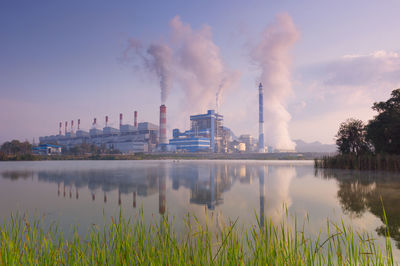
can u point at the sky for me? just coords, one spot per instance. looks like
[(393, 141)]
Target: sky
[(64, 60)]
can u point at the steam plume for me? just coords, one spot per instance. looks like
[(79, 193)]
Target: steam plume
[(272, 56), (202, 72), (161, 62)]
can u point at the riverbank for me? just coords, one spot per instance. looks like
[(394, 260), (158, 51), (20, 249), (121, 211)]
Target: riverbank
[(132, 242), (377, 162), (171, 156)]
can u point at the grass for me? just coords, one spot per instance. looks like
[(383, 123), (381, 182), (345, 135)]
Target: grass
[(379, 162), (133, 242)]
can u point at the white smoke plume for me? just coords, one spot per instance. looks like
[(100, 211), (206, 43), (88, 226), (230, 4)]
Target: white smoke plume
[(161, 63), (202, 72), (273, 58)]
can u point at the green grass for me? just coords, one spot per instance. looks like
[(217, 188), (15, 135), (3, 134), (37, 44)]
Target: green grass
[(379, 162), (134, 242)]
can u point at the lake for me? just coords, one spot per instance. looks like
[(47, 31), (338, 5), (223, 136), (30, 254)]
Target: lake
[(89, 193)]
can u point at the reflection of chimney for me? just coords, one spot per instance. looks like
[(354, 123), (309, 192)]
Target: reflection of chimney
[(66, 127), (262, 197), (106, 120), (58, 189), (161, 191), (70, 192), (60, 130), (120, 119), (93, 196), (105, 197), (135, 119), (77, 193), (163, 124), (119, 198), (79, 124), (64, 189), (134, 199)]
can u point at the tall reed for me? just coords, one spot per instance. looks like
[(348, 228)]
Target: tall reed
[(133, 241)]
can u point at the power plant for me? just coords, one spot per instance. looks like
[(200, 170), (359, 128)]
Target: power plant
[(207, 133)]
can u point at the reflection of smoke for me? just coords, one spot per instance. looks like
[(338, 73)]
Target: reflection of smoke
[(161, 63), (272, 56), (201, 69), (277, 185)]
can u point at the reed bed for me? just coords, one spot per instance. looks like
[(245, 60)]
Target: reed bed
[(133, 242), (376, 162)]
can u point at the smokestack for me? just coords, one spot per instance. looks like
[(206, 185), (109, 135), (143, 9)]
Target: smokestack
[(66, 127), (120, 119), (261, 145), (94, 122), (60, 129), (72, 126), (135, 119), (79, 124), (163, 124), (106, 120)]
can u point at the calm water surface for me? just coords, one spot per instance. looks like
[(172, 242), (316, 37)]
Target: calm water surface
[(85, 193)]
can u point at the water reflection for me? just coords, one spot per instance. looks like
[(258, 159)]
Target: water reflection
[(363, 191)]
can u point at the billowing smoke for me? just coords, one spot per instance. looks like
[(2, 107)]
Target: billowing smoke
[(273, 58), (202, 72), (161, 63)]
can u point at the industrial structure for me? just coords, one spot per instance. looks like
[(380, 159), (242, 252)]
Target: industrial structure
[(206, 134), (139, 137), (261, 145)]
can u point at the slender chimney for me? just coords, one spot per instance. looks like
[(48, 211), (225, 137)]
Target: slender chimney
[(106, 120), (163, 125), (79, 124), (66, 127), (120, 119), (135, 119), (261, 146), (94, 122), (72, 126), (60, 129)]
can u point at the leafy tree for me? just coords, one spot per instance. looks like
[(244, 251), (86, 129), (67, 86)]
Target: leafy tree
[(383, 131), (15, 147), (351, 137)]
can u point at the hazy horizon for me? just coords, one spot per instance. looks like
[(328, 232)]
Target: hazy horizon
[(320, 64)]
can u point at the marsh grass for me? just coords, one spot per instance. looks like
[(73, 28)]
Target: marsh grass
[(123, 242), (385, 162)]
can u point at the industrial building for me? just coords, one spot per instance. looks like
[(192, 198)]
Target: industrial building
[(206, 134), (46, 149), (139, 137)]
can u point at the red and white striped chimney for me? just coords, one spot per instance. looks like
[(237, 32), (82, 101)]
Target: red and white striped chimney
[(135, 119), (60, 130), (106, 120), (72, 126), (120, 119), (79, 124), (163, 124), (66, 127)]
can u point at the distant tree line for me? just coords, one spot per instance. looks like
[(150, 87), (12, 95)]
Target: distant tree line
[(375, 145), (16, 150)]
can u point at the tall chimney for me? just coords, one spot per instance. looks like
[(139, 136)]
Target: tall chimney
[(60, 129), (79, 124), (163, 125), (120, 119), (106, 120), (135, 119), (261, 146), (66, 127), (94, 122), (72, 126)]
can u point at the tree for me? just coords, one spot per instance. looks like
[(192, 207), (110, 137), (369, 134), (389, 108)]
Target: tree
[(351, 137), (383, 130)]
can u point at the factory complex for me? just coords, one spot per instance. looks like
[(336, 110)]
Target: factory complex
[(206, 134)]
